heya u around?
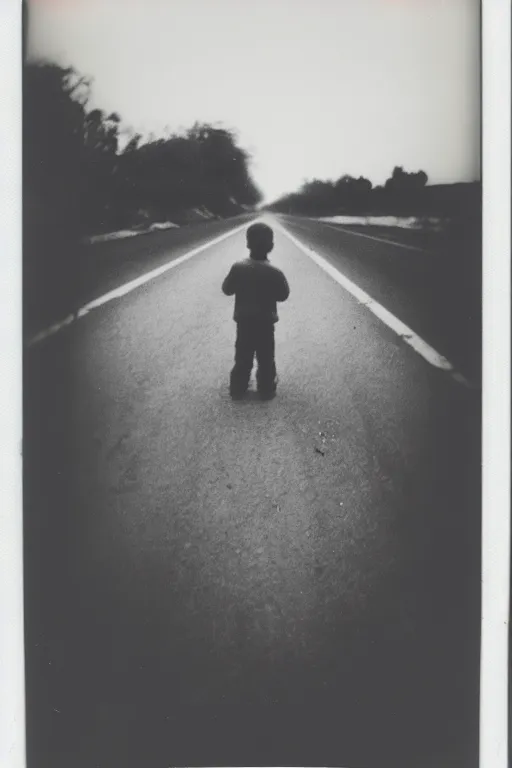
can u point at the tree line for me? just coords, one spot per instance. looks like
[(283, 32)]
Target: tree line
[(403, 194), (85, 173), (85, 164)]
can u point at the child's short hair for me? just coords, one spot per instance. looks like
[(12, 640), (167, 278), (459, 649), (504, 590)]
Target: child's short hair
[(260, 237)]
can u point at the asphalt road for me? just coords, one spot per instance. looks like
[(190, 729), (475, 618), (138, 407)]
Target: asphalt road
[(435, 288), (89, 270), (209, 582)]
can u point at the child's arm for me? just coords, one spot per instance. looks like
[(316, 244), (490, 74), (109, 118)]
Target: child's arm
[(228, 286), (282, 288)]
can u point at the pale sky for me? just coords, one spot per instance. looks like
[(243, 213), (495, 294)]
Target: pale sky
[(314, 88)]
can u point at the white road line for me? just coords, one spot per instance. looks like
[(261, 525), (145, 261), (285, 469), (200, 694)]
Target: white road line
[(412, 339), (378, 239), (369, 237), (122, 290)]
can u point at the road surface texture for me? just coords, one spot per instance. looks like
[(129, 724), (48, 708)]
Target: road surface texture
[(211, 582), (436, 291), (93, 269)]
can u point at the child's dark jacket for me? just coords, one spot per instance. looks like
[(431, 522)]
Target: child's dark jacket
[(257, 286)]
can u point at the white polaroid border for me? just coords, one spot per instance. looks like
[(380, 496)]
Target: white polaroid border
[(12, 694), (496, 21)]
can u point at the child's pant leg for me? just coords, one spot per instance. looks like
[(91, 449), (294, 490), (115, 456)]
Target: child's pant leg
[(244, 357), (265, 355)]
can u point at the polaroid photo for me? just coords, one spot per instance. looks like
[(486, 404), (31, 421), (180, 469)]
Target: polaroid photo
[(264, 245)]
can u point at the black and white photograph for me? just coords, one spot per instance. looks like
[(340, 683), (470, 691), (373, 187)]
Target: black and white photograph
[(252, 383)]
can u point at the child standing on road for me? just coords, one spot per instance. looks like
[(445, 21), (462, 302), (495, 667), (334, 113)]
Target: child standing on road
[(257, 285)]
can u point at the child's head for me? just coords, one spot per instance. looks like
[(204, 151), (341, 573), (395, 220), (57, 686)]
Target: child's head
[(260, 240)]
